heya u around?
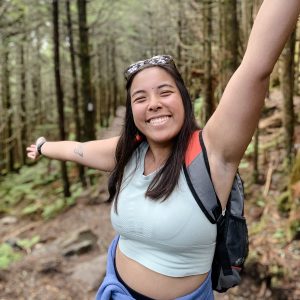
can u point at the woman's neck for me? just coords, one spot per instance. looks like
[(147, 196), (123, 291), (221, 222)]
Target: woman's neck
[(155, 158)]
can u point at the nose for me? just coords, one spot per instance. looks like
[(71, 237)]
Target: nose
[(154, 103)]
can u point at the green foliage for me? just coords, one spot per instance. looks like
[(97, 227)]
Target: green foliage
[(7, 255), (250, 149), (284, 202), (244, 164), (198, 106), (294, 229), (280, 234), (27, 244), (295, 174), (53, 209), (260, 201), (31, 209), (37, 190)]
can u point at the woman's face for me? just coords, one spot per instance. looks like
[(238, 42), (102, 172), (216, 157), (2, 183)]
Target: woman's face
[(157, 106)]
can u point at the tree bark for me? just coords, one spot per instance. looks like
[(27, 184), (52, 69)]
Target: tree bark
[(255, 156), (75, 98), (229, 40), (108, 86), (287, 89), (36, 81), (59, 93), (207, 85), (24, 137), (6, 93), (86, 86), (247, 21), (114, 76)]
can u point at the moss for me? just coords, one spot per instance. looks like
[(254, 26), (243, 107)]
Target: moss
[(294, 218), (284, 202), (7, 255), (294, 230), (295, 174)]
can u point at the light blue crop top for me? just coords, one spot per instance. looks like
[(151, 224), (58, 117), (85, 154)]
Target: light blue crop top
[(173, 237)]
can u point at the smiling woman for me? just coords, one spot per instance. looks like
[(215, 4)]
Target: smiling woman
[(165, 244), (157, 106)]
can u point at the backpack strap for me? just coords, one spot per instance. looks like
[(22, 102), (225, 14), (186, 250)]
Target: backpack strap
[(197, 173)]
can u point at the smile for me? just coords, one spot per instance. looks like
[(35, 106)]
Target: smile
[(158, 120)]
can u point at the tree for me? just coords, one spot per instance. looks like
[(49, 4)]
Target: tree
[(86, 85), (6, 95), (287, 89), (207, 86), (228, 40), (75, 98), (59, 92)]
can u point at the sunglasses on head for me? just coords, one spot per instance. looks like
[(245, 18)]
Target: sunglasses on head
[(158, 60)]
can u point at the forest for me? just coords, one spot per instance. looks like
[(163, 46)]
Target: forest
[(61, 77)]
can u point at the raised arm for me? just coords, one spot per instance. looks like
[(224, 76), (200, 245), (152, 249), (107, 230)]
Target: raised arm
[(229, 130), (98, 154)]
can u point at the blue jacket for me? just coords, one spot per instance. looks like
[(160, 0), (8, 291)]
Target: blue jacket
[(112, 289)]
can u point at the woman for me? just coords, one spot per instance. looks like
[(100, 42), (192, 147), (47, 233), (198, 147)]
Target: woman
[(158, 255)]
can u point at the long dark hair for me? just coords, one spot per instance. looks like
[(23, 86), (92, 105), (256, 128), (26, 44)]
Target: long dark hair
[(166, 179)]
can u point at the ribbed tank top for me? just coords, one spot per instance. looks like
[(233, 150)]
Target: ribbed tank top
[(173, 237)]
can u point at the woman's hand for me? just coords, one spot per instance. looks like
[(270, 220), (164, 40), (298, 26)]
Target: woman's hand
[(32, 152)]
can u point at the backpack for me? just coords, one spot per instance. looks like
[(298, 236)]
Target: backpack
[(232, 234)]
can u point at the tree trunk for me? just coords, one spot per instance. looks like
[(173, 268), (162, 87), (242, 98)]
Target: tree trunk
[(114, 76), (108, 86), (59, 93), (100, 86), (23, 101), (86, 87), (247, 21), (75, 98), (207, 84), (255, 156), (229, 40), (287, 89), (9, 145), (36, 82)]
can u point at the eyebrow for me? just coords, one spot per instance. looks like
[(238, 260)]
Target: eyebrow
[(159, 87), (165, 85)]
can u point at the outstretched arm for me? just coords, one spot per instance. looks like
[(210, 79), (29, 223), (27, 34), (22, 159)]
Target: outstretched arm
[(98, 154), (231, 127)]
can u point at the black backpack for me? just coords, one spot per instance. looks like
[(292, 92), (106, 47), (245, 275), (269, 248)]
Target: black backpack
[(232, 234)]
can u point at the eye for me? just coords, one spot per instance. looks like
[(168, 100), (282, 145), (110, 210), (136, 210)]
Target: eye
[(139, 99), (165, 93)]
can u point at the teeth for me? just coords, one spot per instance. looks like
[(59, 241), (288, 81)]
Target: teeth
[(158, 121)]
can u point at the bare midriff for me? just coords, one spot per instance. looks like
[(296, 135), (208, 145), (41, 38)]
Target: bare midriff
[(153, 284)]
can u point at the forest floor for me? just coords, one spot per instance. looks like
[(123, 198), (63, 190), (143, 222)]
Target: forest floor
[(68, 262)]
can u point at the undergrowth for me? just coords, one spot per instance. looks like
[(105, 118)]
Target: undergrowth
[(36, 190)]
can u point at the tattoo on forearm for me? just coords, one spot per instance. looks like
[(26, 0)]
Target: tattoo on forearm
[(79, 150)]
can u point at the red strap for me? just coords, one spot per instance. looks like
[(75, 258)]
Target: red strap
[(194, 148)]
